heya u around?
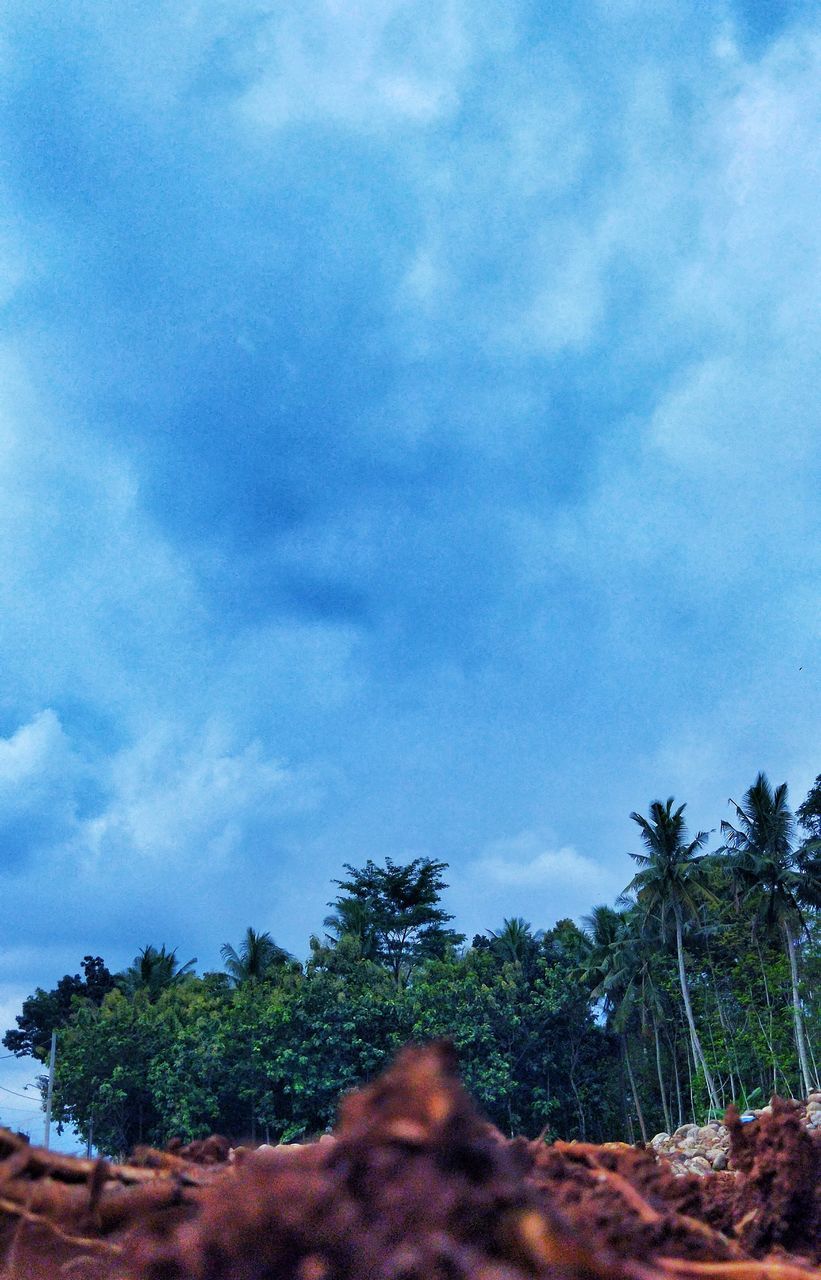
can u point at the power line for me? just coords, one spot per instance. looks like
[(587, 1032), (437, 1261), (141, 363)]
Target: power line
[(24, 1096)]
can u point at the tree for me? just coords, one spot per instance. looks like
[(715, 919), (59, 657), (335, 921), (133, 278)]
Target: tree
[(258, 958), (102, 1083), (766, 867), (515, 942), (809, 812), (48, 1011), (397, 913), (672, 883), (809, 852), (153, 970), (608, 965), (354, 921)]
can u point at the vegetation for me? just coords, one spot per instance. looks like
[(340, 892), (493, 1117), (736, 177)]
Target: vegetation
[(698, 988)]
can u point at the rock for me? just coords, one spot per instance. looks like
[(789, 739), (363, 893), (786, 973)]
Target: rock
[(719, 1160), (699, 1165), (686, 1131), (659, 1140), (692, 1148)]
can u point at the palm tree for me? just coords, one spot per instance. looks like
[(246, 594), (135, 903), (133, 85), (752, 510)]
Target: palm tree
[(515, 941), (671, 883), (153, 970), (607, 966), (773, 879), (258, 958), (809, 851), (354, 918)]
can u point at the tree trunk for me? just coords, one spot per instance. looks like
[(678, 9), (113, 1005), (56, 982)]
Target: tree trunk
[(796, 1014), (698, 1052), (574, 1055), (633, 1089), (688, 1051), (667, 1121), (768, 1038), (676, 1077)]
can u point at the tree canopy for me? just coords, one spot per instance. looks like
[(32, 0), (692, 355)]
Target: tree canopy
[(699, 987)]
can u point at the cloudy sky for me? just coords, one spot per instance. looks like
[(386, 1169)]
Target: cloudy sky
[(409, 445)]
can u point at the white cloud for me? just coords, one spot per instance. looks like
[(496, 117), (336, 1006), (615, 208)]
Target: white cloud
[(523, 862), (368, 68), (192, 801), (97, 604), (39, 775)]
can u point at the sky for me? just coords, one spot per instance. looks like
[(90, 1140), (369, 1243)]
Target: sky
[(409, 447)]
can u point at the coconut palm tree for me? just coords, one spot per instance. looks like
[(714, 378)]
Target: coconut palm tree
[(354, 918), (672, 884), (809, 851), (515, 941), (773, 880), (153, 970), (607, 967), (258, 958)]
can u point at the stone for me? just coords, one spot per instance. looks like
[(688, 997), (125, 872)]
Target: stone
[(719, 1160), (699, 1165), (659, 1140), (692, 1148)]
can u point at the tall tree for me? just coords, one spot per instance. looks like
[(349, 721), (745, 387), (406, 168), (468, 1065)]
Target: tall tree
[(354, 920), (399, 909), (48, 1011), (672, 884), (515, 942), (766, 867), (809, 852), (258, 958), (153, 970), (608, 964)]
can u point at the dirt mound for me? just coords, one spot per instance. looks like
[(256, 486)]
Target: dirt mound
[(416, 1186)]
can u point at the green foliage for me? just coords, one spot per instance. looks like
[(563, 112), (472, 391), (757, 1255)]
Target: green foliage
[(575, 1033), (258, 958), (395, 913), (153, 970), (48, 1011)]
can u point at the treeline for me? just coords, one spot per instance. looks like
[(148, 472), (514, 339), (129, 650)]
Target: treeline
[(700, 987)]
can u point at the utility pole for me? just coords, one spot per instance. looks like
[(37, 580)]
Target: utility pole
[(52, 1056)]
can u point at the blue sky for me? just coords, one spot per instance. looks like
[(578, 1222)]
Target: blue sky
[(409, 445)]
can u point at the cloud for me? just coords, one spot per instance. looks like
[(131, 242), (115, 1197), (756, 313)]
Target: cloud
[(40, 781), (527, 875), (523, 862), (370, 74), (203, 802), (173, 850)]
